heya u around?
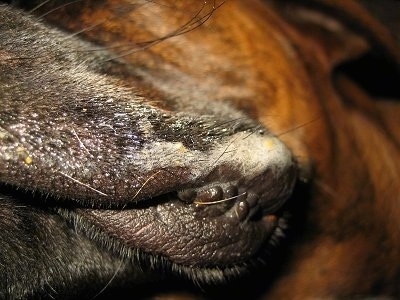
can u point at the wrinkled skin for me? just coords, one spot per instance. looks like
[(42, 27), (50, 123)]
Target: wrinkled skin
[(171, 143)]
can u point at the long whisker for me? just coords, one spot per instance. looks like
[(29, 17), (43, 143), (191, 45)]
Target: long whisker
[(194, 23), (83, 30), (81, 144), (57, 8), (110, 281), (83, 184), (38, 6), (298, 126), (219, 201), (143, 185), (225, 151)]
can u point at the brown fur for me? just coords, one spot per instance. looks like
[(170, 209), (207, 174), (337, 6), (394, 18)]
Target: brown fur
[(279, 63)]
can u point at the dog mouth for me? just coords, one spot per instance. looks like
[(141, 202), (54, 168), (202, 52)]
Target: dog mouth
[(206, 244), (204, 210), (199, 186), (197, 210), (209, 225)]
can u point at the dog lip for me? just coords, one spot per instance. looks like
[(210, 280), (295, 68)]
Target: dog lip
[(219, 214), (223, 240), (214, 230)]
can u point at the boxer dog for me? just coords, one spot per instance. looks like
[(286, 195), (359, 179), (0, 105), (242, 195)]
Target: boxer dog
[(196, 149)]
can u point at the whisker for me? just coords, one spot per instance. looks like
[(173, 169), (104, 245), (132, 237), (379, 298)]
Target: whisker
[(83, 30), (83, 184), (225, 151), (222, 124), (110, 281), (57, 8), (143, 185), (50, 286), (204, 18), (81, 144), (258, 127), (38, 6), (219, 201), (298, 126), (194, 23)]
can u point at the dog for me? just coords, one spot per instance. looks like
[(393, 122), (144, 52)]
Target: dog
[(189, 149)]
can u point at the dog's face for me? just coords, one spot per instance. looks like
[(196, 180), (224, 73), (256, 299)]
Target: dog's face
[(209, 143)]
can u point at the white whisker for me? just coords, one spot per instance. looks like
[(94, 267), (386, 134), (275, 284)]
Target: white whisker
[(83, 184)]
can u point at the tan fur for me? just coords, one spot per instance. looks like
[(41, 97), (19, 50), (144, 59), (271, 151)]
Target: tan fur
[(277, 65)]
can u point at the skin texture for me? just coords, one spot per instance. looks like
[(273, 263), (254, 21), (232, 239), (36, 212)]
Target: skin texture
[(111, 160)]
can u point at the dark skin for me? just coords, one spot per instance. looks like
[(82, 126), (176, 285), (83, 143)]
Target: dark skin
[(171, 160)]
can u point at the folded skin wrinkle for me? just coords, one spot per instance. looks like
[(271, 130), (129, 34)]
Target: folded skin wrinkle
[(70, 131)]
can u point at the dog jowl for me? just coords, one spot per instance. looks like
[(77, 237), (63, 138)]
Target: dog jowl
[(203, 143)]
